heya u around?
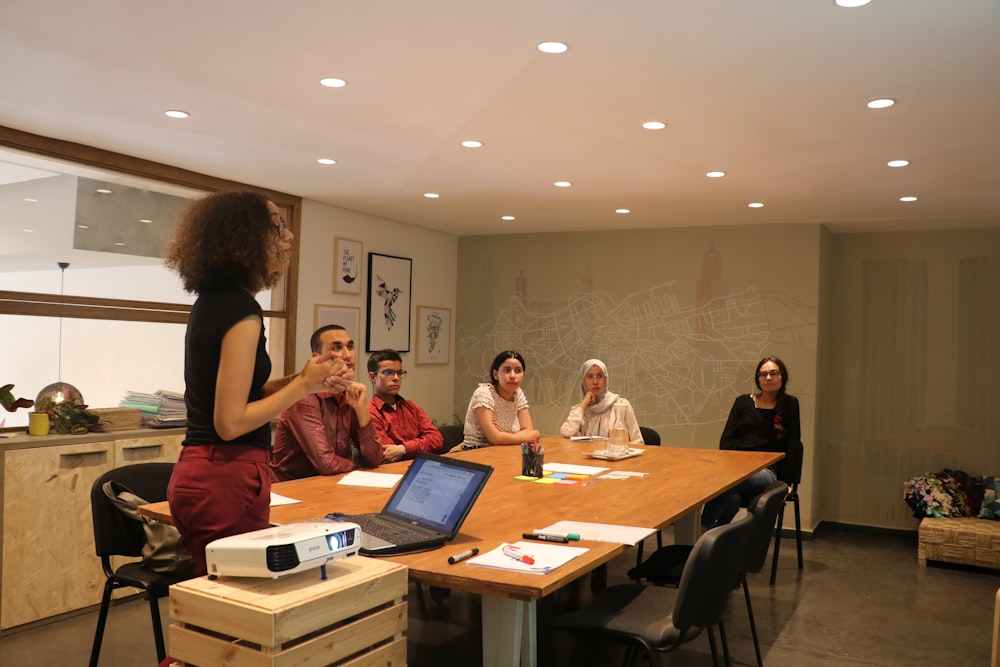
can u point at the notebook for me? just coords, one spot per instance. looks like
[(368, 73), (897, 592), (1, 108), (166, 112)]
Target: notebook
[(427, 508)]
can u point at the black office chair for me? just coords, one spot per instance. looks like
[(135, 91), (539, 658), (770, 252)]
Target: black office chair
[(652, 619), (790, 472), (118, 535), (453, 434), (649, 435), (665, 565)]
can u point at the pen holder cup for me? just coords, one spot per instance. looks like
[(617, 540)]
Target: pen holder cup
[(531, 464)]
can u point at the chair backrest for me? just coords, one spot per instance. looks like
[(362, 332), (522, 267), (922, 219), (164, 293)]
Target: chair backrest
[(790, 468), (114, 533), (452, 434), (649, 436), (764, 509), (712, 571)]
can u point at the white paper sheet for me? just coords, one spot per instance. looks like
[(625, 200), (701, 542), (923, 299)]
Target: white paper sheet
[(282, 500), (602, 532), (573, 469), (372, 480), (547, 557)]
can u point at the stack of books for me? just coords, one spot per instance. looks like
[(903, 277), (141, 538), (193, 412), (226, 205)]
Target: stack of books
[(161, 409)]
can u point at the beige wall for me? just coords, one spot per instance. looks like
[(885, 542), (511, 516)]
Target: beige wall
[(911, 378), (433, 284), (682, 315)]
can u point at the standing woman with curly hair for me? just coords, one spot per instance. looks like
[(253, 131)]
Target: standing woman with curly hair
[(227, 247), (764, 421)]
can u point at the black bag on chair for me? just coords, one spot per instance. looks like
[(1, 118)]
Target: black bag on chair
[(164, 551)]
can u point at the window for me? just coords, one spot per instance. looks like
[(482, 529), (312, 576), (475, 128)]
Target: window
[(112, 319)]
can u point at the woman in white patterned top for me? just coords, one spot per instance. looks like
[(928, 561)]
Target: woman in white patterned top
[(498, 411)]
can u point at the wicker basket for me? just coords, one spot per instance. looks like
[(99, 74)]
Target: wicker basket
[(118, 419), (960, 540)]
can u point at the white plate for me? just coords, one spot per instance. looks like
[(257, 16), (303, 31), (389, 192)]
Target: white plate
[(605, 456)]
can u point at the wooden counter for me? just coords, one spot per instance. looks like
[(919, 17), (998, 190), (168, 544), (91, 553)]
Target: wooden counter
[(47, 561)]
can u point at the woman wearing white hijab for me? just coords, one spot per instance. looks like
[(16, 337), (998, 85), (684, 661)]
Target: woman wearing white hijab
[(595, 415)]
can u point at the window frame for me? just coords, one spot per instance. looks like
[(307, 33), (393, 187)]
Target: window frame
[(281, 333)]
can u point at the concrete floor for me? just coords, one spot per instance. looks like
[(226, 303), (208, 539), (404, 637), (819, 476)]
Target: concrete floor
[(861, 600)]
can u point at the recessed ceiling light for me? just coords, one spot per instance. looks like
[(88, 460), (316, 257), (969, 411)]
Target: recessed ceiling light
[(472, 143), (622, 210), (715, 174), (654, 125), (176, 113), (552, 47), (755, 204), (103, 191), (898, 163), (908, 198), (881, 103), (29, 231), (119, 244), (82, 227), (562, 184), (851, 3), (431, 195), (146, 220), (331, 82), (507, 217), (326, 160), (31, 199)]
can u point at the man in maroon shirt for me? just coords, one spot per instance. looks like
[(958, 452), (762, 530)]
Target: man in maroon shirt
[(331, 432), (403, 427)]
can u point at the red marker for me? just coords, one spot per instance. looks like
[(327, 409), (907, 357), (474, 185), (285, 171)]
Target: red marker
[(516, 553)]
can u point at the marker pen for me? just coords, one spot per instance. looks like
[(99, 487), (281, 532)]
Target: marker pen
[(462, 555), (552, 533), (516, 553), (541, 537)]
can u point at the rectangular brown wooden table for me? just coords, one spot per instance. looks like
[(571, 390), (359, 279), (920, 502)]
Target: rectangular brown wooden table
[(679, 481)]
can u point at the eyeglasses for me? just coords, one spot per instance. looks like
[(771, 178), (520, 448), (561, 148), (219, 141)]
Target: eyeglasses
[(591, 377), (764, 374), (280, 225), (388, 373)]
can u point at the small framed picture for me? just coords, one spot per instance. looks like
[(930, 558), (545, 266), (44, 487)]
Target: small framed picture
[(433, 335), (388, 302), (347, 254), (348, 317)]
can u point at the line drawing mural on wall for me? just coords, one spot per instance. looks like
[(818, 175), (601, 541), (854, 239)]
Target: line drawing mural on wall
[(680, 366)]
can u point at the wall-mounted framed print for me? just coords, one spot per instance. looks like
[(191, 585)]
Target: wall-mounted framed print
[(348, 317), (388, 302), (347, 254), (433, 340)]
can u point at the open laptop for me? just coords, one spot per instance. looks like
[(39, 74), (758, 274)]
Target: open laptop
[(427, 508)]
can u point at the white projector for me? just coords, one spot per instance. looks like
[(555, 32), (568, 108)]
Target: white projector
[(280, 550)]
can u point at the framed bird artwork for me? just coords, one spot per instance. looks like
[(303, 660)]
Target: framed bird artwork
[(389, 279)]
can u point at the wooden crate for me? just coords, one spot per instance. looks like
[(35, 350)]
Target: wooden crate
[(355, 618)]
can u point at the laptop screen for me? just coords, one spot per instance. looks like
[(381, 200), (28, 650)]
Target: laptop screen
[(438, 492)]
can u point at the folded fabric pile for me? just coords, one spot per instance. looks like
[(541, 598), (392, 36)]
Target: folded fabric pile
[(943, 494)]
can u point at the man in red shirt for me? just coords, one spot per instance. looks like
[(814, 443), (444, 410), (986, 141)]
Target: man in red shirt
[(331, 432), (403, 427)]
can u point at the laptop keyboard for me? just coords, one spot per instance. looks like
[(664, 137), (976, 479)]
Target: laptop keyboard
[(373, 524)]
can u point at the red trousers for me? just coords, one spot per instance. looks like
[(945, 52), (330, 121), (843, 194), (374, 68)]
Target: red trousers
[(216, 491)]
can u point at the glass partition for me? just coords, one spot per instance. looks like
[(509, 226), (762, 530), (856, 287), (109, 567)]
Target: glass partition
[(84, 295)]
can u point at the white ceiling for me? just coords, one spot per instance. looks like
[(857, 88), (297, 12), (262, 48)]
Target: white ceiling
[(772, 92)]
